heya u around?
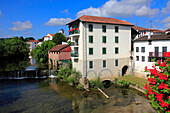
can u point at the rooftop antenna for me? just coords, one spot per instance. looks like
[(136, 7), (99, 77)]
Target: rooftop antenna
[(135, 24)]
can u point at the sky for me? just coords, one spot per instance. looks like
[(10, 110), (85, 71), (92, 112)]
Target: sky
[(37, 18)]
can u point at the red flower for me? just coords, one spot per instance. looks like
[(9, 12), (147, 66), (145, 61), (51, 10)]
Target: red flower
[(146, 68), (146, 86), (152, 80), (159, 62), (162, 85), (163, 104)]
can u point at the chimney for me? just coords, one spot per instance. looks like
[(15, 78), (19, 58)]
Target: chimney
[(149, 34)]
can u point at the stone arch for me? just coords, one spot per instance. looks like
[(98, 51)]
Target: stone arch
[(105, 70), (124, 70), (91, 71)]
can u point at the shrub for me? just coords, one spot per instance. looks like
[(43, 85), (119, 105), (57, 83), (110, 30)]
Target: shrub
[(96, 83), (115, 80), (158, 89), (124, 83), (80, 87)]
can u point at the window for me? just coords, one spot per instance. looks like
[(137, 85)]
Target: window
[(142, 49), (90, 51), (116, 62), (116, 39), (137, 58), (137, 49), (104, 39), (143, 58), (104, 50), (104, 28), (104, 63), (90, 27), (150, 42), (116, 50), (116, 29), (90, 64), (90, 39), (164, 49)]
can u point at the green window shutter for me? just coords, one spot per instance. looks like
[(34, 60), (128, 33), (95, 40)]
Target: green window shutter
[(104, 39), (116, 29), (90, 51), (104, 63), (116, 62), (104, 50), (116, 39), (90, 28), (104, 28), (90, 64), (90, 39), (116, 50)]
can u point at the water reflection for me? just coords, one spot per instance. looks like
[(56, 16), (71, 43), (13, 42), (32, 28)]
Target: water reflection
[(55, 96)]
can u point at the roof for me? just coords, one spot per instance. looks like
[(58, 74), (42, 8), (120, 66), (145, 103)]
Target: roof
[(52, 34), (59, 47), (158, 31), (154, 37), (140, 28), (33, 41), (168, 29), (96, 19)]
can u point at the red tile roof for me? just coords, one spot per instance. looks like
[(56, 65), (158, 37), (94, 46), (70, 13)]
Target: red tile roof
[(154, 37), (59, 47), (140, 28), (168, 29), (106, 20), (52, 34), (33, 41), (158, 31)]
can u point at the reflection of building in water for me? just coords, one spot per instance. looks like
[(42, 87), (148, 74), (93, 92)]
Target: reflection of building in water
[(32, 60), (59, 54)]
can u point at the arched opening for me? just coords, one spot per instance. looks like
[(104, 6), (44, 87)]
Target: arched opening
[(107, 83), (124, 70)]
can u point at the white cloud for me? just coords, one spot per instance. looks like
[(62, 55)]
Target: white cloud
[(65, 11), (146, 11), (58, 21), (21, 26), (167, 26), (166, 10), (166, 20), (122, 8)]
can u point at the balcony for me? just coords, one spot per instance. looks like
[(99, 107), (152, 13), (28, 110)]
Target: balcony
[(74, 54), (156, 54), (74, 31)]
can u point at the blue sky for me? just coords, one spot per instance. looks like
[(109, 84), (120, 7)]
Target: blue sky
[(37, 18)]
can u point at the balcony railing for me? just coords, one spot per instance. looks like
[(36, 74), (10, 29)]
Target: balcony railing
[(156, 54), (74, 44), (74, 55), (74, 31)]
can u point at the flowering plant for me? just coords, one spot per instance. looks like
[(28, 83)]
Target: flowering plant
[(158, 89)]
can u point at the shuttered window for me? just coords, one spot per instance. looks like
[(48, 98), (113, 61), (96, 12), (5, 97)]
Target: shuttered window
[(90, 39), (116, 62), (90, 64), (104, 39), (116, 39), (90, 51), (104, 51), (90, 27), (116, 50), (104, 28), (116, 29), (104, 63)]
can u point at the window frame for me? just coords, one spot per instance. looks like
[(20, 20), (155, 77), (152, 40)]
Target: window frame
[(116, 29), (90, 39), (91, 65), (116, 50), (116, 39), (116, 62), (104, 37), (104, 28), (90, 51), (104, 63), (104, 51), (90, 28)]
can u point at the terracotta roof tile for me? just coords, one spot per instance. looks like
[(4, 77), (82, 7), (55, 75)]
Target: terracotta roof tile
[(52, 34), (96, 19), (168, 29), (140, 28), (154, 37), (33, 41), (59, 47)]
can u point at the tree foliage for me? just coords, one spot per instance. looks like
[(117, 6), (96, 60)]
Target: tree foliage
[(59, 38), (41, 52), (29, 38), (14, 47), (158, 88)]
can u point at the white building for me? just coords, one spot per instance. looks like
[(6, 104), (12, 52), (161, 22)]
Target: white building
[(48, 37), (33, 44), (100, 46), (148, 47)]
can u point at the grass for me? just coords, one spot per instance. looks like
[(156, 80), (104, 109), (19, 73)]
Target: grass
[(135, 80)]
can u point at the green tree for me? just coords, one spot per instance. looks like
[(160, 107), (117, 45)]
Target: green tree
[(22, 38), (41, 52), (29, 38), (41, 39), (59, 38)]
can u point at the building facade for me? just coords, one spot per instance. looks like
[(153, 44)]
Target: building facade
[(48, 37), (101, 47), (33, 44), (147, 48)]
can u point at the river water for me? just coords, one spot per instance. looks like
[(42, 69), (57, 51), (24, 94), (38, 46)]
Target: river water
[(54, 96)]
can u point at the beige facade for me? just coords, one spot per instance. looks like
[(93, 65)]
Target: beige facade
[(81, 44)]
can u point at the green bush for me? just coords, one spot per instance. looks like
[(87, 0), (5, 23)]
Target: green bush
[(115, 80), (96, 83), (80, 87), (124, 83)]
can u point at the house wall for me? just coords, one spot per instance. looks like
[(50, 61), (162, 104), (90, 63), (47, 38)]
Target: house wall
[(124, 46), (139, 66)]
